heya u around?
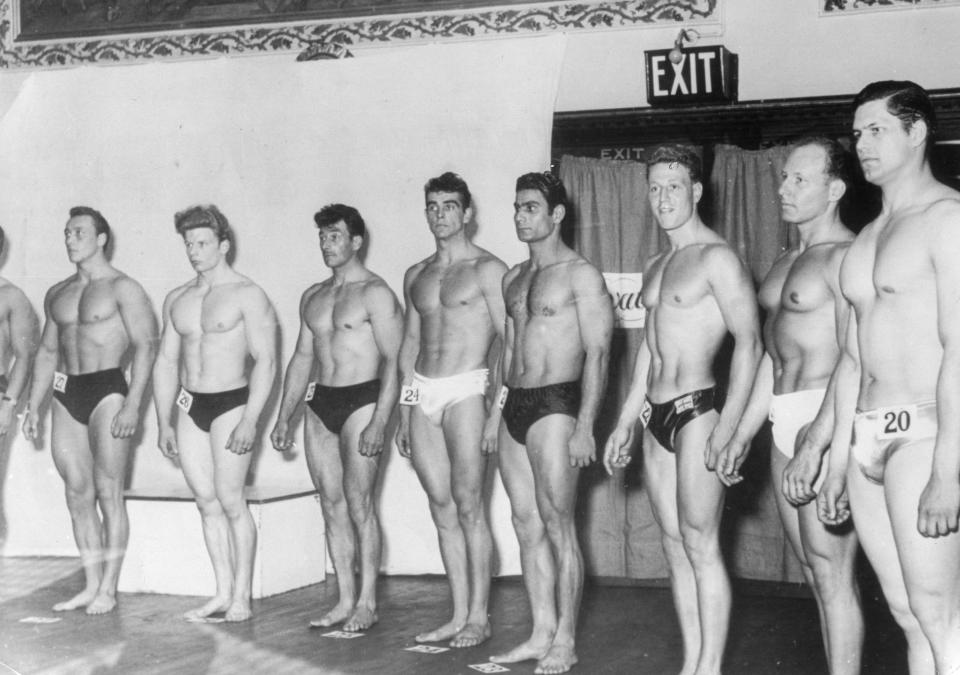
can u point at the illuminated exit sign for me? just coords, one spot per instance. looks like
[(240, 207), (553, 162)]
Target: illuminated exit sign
[(703, 75)]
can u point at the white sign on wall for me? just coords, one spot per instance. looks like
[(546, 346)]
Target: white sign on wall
[(625, 289)]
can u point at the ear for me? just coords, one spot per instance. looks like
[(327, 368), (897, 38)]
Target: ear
[(559, 213), (102, 240), (918, 132), (836, 190), (468, 214), (224, 246), (697, 192), (356, 242)]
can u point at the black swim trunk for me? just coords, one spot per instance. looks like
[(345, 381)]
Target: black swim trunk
[(525, 406), (334, 405), (4, 383), (665, 420), (203, 408), (81, 394)]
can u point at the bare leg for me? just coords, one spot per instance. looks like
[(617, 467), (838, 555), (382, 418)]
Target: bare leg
[(828, 558), (230, 474), (110, 470), (462, 430), (536, 558), (196, 460), (700, 506), (431, 461), (556, 494), (660, 481), (74, 461), (876, 536)]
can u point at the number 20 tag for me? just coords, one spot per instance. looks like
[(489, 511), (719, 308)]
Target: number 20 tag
[(895, 421)]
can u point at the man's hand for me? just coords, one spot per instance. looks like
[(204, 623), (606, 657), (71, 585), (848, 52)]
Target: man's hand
[(491, 433), (403, 437), (280, 436), (731, 459), (616, 452), (800, 475), (582, 448), (717, 441), (126, 421), (938, 507), (167, 441), (31, 426), (242, 438), (371, 439), (833, 505)]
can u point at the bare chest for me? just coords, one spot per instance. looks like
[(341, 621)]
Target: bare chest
[(196, 312), (84, 304), (678, 281), (805, 287), (330, 310), (449, 288), (539, 293)]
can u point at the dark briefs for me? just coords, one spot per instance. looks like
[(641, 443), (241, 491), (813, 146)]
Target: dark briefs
[(81, 394), (334, 405)]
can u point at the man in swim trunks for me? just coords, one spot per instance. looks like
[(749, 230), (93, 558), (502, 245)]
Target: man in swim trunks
[(695, 293), (898, 379), (18, 345), (452, 328), (805, 315), (351, 324), (95, 320), (213, 325), (559, 324)]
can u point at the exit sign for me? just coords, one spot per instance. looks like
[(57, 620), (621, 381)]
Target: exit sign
[(704, 75)]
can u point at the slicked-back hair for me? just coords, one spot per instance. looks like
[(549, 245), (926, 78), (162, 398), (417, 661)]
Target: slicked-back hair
[(547, 185), (99, 222), (203, 215), (449, 182), (331, 214), (906, 100), (838, 162), (676, 153)]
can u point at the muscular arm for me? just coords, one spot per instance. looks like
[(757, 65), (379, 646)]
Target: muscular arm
[(407, 358), (754, 415), (387, 324), (23, 338), (45, 363), (735, 297), (940, 500), (492, 273), (595, 321), (165, 379), (616, 452), (141, 327), (260, 327), (296, 378)]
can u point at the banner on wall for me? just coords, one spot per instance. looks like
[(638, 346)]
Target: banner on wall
[(625, 288)]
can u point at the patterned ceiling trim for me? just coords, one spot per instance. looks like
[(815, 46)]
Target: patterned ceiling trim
[(841, 7), (269, 38)]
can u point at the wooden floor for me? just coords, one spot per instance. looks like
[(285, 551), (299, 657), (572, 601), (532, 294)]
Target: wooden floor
[(623, 629)]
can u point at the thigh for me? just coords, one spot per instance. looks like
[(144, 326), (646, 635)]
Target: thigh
[(359, 471), (660, 480), (229, 469), (547, 447), (196, 457), (321, 447), (517, 475), (699, 492), (930, 564), (789, 514), (462, 433), (70, 447), (429, 456), (110, 454)]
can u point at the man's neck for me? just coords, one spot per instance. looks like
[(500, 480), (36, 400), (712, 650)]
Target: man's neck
[(825, 228), (546, 251), (94, 267), (908, 187), (352, 270), (220, 274), (453, 248), (691, 232)]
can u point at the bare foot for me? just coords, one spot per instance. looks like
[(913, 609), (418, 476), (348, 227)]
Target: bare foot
[(361, 619), (336, 615), (239, 610), (534, 648), (81, 599), (444, 632), (102, 604), (216, 604), (472, 635), (559, 659)]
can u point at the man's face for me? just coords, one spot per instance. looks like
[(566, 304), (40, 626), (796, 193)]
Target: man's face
[(805, 190), (532, 216), (203, 249), (883, 145), (445, 214), (80, 238), (336, 244), (673, 196)]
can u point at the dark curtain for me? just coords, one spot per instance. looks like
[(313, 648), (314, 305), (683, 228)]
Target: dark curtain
[(614, 229)]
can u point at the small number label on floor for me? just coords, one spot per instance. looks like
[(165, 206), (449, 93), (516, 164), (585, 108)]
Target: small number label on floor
[(428, 649), (342, 634), (489, 668)]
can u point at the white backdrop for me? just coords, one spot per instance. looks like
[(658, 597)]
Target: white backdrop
[(268, 140)]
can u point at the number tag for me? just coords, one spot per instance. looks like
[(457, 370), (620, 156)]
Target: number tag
[(409, 395), (184, 400), (311, 388), (502, 399), (895, 421), (60, 382), (645, 413)]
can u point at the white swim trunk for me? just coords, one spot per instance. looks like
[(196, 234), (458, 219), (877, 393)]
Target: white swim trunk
[(436, 394), (880, 432), (789, 413)]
